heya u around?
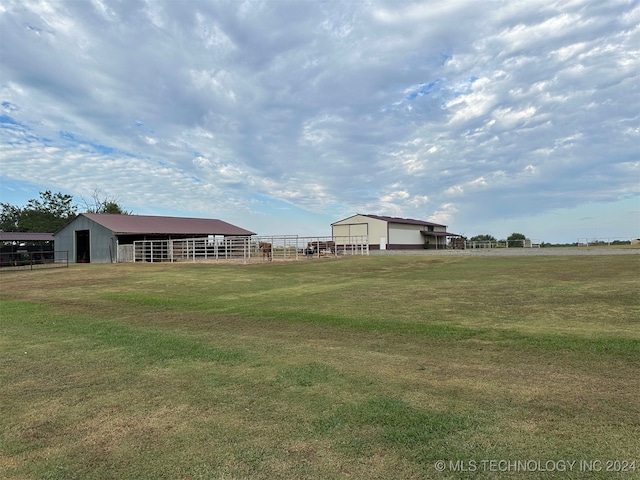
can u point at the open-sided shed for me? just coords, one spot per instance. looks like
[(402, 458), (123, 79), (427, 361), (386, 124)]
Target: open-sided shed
[(16, 247), (92, 237)]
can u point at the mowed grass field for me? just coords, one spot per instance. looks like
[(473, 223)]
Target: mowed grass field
[(364, 367)]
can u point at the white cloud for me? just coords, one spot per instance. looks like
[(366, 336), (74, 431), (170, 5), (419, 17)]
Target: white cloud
[(445, 215), (325, 107)]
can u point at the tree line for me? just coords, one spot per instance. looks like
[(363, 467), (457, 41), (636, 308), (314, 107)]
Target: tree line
[(52, 211), (513, 238)]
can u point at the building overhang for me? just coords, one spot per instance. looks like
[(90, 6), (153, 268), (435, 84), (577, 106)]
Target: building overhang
[(440, 234)]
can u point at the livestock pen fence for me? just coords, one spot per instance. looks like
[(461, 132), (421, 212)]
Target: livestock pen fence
[(520, 243), (35, 259), (243, 249)]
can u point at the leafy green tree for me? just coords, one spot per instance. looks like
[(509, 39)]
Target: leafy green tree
[(483, 238), (49, 213), (516, 239), (9, 217)]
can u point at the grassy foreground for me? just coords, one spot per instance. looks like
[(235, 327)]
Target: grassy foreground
[(368, 367)]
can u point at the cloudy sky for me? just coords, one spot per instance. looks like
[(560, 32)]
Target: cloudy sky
[(284, 116)]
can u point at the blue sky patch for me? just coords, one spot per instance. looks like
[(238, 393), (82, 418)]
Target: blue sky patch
[(424, 89), (8, 119)]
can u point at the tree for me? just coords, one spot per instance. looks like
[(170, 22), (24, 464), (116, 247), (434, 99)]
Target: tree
[(49, 213), (483, 238), (516, 240), (104, 204), (9, 218)]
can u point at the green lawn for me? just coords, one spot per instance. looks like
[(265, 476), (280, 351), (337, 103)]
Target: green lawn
[(364, 367)]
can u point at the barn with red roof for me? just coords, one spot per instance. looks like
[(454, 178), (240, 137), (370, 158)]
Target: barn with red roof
[(98, 238)]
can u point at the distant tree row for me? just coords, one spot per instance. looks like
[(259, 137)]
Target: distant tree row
[(52, 211), (514, 238)]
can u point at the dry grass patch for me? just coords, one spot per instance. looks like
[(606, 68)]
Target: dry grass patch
[(361, 368)]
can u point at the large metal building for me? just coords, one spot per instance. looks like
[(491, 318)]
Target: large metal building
[(392, 233), (98, 238)]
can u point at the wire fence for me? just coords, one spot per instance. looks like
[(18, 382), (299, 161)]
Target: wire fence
[(12, 261)]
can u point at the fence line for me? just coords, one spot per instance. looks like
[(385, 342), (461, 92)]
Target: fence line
[(34, 260), (245, 249), (526, 243), (585, 241)]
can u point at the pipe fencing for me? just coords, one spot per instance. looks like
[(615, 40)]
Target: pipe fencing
[(246, 249)]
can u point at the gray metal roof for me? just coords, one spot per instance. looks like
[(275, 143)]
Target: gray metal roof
[(147, 224), (440, 234), (406, 221), (26, 237)]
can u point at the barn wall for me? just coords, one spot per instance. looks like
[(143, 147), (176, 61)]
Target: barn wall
[(350, 230), (362, 225), (103, 244), (63, 241), (340, 230), (406, 235), (100, 239)]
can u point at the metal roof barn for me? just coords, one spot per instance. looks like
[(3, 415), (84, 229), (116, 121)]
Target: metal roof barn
[(93, 237), (394, 233)]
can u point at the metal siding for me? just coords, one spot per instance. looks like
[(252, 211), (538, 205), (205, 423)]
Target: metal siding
[(359, 229), (100, 239), (340, 230), (404, 234), (377, 229), (64, 239), (363, 225), (350, 230)]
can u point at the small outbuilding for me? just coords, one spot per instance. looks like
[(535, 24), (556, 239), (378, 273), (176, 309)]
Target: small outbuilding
[(393, 233), (25, 246), (99, 238)]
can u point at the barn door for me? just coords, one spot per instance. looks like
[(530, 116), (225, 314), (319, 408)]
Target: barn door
[(83, 250)]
